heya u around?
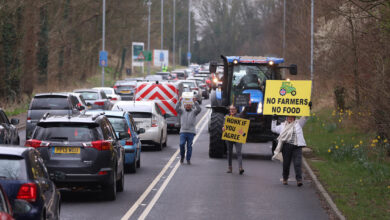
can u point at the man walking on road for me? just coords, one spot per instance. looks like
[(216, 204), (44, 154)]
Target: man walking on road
[(187, 130)]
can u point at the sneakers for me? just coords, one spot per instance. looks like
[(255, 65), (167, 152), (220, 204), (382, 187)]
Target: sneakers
[(188, 162), (285, 182), (230, 170), (299, 183), (182, 160), (241, 171)]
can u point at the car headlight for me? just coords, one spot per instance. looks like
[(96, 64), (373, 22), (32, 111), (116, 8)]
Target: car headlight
[(259, 108)]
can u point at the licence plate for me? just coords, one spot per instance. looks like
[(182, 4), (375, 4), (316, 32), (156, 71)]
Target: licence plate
[(67, 150), (125, 91)]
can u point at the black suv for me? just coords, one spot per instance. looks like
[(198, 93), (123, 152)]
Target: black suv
[(81, 151), (54, 103), (8, 131)]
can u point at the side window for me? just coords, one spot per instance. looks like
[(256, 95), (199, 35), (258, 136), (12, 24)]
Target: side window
[(41, 164), (134, 126), (74, 101), (36, 169), (105, 130), (103, 94), (111, 129)]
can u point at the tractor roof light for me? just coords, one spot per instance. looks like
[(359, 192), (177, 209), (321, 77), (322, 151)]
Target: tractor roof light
[(288, 79), (235, 62), (271, 62)]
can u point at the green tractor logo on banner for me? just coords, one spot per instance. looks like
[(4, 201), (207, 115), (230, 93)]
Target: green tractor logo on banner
[(287, 87)]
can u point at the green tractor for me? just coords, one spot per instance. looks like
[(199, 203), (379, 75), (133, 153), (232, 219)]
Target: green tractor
[(287, 87), (243, 84)]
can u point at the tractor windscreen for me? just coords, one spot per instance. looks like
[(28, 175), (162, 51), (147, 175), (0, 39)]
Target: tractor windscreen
[(250, 77)]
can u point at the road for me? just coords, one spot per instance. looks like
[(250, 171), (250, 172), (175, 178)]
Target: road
[(164, 189)]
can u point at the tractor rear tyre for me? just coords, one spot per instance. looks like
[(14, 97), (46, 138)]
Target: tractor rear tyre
[(217, 145)]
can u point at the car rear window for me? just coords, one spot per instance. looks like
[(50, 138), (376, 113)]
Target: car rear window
[(55, 103), (13, 168), (141, 114), (108, 91), (89, 95), (119, 124), (72, 132)]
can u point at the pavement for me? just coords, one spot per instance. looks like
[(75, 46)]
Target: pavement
[(165, 189)]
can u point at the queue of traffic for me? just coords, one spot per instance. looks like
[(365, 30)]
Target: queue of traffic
[(89, 138)]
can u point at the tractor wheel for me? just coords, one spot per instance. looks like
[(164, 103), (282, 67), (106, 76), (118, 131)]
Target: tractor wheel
[(293, 93), (217, 145), (282, 92)]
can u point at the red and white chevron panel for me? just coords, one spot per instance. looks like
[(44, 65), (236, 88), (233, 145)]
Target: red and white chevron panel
[(164, 94)]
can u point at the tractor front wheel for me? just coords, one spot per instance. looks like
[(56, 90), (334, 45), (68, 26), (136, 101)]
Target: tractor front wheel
[(217, 145)]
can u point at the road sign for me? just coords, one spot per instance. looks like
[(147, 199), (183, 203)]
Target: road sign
[(287, 97), (189, 56), (161, 56), (103, 58), (141, 56)]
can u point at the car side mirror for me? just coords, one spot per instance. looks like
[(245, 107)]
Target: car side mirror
[(81, 107), (124, 135), (293, 69), (141, 131), (21, 207), (213, 67), (14, 121)]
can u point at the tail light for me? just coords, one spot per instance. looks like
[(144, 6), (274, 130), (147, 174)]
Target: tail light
[(194, 89), (36, 143), (102, 173), (28, 192), (99, 103), (100, 145), (129, 142), (114, 98), (115, 87), (28, 119), (154, 122)]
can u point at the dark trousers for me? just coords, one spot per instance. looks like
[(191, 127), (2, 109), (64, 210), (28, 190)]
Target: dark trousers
[(292, 153)]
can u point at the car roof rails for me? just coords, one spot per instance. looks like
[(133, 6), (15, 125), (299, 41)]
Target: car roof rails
[(46, 115)]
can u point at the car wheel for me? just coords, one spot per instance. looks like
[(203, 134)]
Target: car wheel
[(110, 189), (166, 140), (120, 184), (132, 166), (139, 161), (160, 144)]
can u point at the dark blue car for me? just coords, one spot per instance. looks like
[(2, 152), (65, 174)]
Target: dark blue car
[(24, 177), (127, 132)]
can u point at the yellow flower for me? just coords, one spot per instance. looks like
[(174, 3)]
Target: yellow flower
[(361, 142), (329, 150), (356, 146), (372, 145), (385, 141), (388, 186), (342, 140), (379, 137), (314, 114), (340, 120), (337, 147)]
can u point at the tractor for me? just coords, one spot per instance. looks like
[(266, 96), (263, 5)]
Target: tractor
[(287, 87), (243, 84)]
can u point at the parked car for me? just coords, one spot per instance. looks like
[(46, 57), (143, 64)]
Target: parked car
[(24, 177), (165, 75), (125, 128), (147, 115), (8, 131), (110, 93), (53, 103), (81, 151), (6, 212), (96, 98), (126, 88), (194, 87)]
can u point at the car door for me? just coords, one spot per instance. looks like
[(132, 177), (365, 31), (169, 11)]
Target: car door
[(161, 121), (107, 102), (119, 150)]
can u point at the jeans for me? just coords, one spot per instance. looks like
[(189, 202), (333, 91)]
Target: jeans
[(292, 153), (230, 152), (186, 137)]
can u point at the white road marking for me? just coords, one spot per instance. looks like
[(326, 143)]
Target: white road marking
[(164, 185), (139, 201)]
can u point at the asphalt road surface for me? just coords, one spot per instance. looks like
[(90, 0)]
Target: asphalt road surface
[(164, 189)]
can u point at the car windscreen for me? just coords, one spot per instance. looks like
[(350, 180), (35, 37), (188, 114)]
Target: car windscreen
[(108, 91), (119, 124), (89, 95), (52, 103), (71, 132), (13, 168), (141, 114)]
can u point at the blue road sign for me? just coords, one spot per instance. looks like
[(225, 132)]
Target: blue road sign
[(188, 55), (161, 57), (103, 58)]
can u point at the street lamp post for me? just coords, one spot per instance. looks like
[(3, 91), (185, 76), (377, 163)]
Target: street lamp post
[(162, 24), (312, 46), (189, 33), (103, 36), (174, 35), (149, 4)]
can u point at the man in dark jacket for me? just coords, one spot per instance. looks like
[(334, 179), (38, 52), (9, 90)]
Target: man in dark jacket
[(187, 131)]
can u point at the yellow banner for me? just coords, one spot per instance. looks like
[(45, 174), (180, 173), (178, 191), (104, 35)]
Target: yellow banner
[(236, 129), (290, 98)]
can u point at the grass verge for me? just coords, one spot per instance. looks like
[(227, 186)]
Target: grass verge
[(353, 165)]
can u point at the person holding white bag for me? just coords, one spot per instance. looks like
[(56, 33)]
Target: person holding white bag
[(290, 143)]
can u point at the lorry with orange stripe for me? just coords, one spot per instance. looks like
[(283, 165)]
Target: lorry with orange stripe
[(165, 94)]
